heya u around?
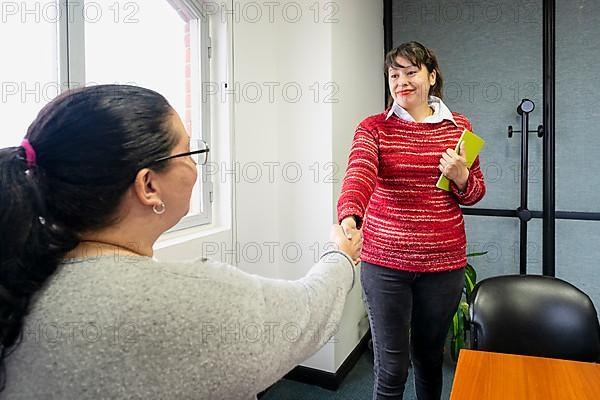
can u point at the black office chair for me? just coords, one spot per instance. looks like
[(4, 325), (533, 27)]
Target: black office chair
[(534, 315)]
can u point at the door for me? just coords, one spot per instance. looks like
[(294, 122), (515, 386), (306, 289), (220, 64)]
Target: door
[(491, 55)]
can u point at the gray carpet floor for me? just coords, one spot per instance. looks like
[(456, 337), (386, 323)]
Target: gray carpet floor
[(358, 384)]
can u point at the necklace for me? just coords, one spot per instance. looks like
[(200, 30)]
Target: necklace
[(101, 243)]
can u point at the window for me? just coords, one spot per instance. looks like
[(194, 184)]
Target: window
[(29, 69), (159, 44), (127, 48)]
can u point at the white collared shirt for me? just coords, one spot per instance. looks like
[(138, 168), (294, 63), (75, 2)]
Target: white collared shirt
[(440, 112)]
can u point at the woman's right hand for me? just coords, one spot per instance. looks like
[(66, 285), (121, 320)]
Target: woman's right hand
[(349, 226), (351, 246)]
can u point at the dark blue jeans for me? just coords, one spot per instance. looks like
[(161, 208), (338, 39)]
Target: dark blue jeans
[(409, 311)]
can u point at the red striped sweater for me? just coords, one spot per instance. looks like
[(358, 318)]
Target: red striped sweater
[(409, 223)]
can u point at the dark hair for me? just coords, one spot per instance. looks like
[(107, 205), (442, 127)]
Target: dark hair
[(89, 143), (418, 55)]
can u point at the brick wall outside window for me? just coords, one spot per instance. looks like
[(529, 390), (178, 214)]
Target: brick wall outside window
[(188, 80)]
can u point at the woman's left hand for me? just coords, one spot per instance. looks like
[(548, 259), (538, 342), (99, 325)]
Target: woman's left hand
[(453, 166)]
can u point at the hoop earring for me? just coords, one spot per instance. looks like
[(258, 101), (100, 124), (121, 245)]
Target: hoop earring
[(160, 211)]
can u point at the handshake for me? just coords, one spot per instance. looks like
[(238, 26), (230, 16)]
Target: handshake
[(348, 238)]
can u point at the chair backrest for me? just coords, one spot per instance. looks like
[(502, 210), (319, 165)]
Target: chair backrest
[(534, 315)]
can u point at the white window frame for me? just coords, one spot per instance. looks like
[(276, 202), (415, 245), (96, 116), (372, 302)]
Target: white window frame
[(71, 72)]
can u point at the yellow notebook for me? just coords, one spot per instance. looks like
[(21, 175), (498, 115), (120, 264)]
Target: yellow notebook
[(473, 145)]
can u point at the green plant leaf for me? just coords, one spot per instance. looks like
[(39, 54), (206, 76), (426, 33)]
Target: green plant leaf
[(460, 320), (469, 285), (464, 306), (455, 346), (470, 270), (455, 322), (477, 254), (454, 350), (457, 341), (461, 323)]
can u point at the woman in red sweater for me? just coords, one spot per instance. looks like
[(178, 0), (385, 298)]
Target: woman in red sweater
[(414, 249)]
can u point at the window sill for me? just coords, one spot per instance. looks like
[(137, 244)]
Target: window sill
[(185, 235)]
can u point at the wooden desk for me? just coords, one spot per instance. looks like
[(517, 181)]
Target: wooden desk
[(485, 376)]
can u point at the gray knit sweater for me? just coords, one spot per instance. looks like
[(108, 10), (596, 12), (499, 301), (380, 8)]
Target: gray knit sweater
[(140, 329)]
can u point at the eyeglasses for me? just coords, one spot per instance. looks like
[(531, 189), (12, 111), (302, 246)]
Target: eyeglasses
[(198, 152)]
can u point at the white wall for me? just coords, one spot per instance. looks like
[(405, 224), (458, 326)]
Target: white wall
[(357, 67), (346, 55)]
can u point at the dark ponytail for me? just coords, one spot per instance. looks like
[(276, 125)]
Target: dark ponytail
[(89, 145)]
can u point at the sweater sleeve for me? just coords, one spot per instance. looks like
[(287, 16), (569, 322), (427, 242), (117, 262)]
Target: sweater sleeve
[(475, 189), (361, 175), (254, 330)]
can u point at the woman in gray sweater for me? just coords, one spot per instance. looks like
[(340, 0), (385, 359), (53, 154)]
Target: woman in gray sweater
[(87, 313)]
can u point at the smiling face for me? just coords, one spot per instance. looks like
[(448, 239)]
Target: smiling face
[(409, 85)]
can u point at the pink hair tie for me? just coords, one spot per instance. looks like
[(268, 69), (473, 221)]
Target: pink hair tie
[(29, 153)]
